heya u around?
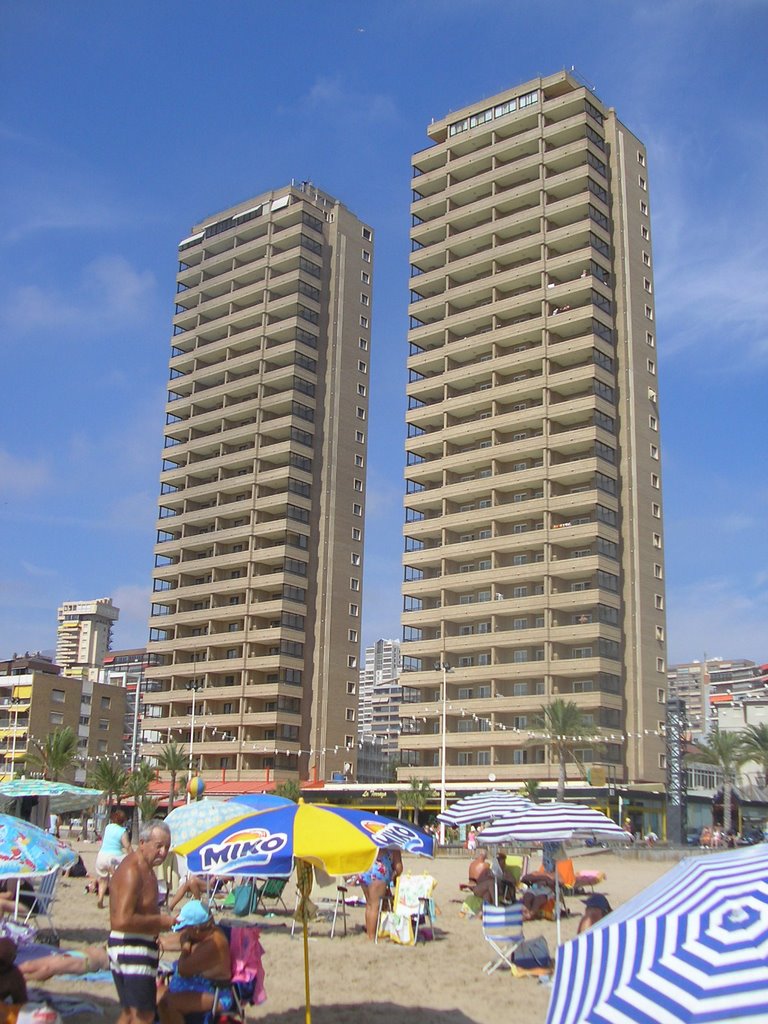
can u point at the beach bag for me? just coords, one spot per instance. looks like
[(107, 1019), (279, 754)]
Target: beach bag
[(22, 934), (532, 953), (78, 869), (243, 899)]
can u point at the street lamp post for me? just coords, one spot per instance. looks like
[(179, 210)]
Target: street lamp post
[(445, 668), (194, 686)]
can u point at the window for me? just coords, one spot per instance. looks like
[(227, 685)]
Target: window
[(358, 484), (646, 258), (656, 510), (658, 602), (354, 610), (104, 725), (660, 633), (58, 696), (660, 696), (655, 482), (647, 285), (360, 437), (363, 321), (642, 183), (351, 661), (351, 688), (643, 208), (654, 451), (657, 540), (57, 718), (362, 366), (660, 665), (366, 256), (365, 277), (641, 158), (657, 571), (653, 423), (357, 533), (349, 714), (360, 412), (357, 510), (367, 234), (355, 558), (645, 232), (362, 343), (354, 583), (520, 656)]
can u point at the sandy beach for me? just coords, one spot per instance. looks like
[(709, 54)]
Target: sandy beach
[(352, 979)]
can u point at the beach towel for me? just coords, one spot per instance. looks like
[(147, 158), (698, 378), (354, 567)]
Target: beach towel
[(245, 955)]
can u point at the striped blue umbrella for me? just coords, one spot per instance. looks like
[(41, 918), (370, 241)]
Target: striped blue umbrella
[(483, 806), (691, 948), (553, 822)]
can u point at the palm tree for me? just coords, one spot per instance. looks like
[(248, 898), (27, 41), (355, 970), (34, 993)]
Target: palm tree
[(289, 789), (110, 777), (173, 759), (147, 807), (565, 729), (137, 786), (724, 750), (755, 743), (55, 756), (530, 790), (417, 796)]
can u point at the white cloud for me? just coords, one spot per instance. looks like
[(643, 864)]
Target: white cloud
[(109, 290), (718, 616), (330, 93), (131, 629), (21, 478)]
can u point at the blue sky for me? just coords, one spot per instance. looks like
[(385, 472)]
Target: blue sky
[(123, 124)]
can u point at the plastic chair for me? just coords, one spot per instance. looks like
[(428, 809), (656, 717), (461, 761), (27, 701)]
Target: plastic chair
[(503, 931)]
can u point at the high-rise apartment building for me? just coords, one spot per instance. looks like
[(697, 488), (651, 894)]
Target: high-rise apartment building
[(259, 556), (533, 535), (379, 698), (84, 634)]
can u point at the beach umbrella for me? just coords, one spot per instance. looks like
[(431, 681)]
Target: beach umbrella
[(692, 947), (485, 806), (553, 823), (27, 850), (62, 796), (191, 820), (339, 840), (260, 801)]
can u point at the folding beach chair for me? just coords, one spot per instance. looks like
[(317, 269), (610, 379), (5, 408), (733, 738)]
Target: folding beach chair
[(412, 913), (45, 894), (329, 898), (503, 931), (269, 889), (246, 987)]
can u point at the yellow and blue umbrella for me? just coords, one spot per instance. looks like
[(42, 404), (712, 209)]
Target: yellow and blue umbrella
[(191, 820), (340, 840), (27, 850)]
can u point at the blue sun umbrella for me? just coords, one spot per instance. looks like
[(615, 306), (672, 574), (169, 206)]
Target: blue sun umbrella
[(689, 949), (27, 850), (260, 801)]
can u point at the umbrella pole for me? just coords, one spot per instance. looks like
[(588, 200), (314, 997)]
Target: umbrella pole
[(557, 902), (308, 1004)]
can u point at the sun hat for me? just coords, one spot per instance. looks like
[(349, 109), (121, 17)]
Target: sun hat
[(598, 902), (193, 915)]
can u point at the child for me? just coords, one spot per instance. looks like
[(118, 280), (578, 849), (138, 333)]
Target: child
[(12, 984)]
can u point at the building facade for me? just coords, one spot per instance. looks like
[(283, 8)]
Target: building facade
[(84, 635), (254, 634), (534, 561), (127, 669)]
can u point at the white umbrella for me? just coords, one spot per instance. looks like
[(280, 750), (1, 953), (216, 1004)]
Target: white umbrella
[(689, 949), (484, 806), (552, 823)]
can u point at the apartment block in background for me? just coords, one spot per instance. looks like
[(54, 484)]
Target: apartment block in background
[(534, 560), (259, 557), (84, 634), (379, 697), (36, 698)]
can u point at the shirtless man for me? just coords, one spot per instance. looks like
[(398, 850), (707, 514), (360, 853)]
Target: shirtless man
[(481, 878), (136, 922)]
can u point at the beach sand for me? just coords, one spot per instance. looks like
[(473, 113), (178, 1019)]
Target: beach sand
[(354, 980)]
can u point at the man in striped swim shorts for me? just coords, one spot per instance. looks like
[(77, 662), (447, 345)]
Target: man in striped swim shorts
[(136, 922)]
